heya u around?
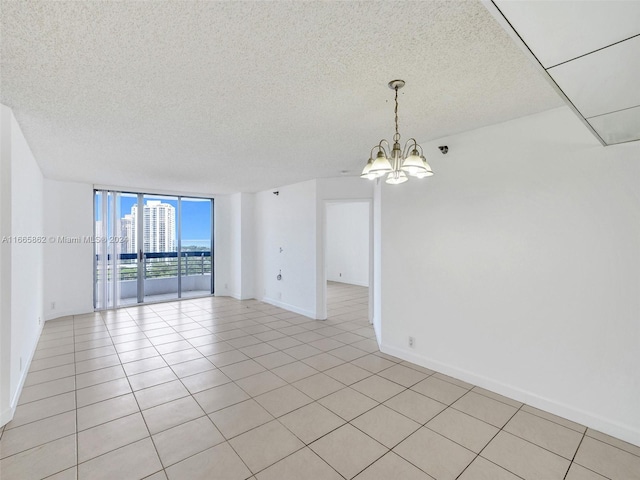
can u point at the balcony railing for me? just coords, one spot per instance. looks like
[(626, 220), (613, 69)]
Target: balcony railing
[(159, 265)]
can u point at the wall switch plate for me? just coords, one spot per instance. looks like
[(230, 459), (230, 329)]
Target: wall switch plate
[(412, 342)]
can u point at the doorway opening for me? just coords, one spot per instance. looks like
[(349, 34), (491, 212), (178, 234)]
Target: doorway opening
[(348, 258)]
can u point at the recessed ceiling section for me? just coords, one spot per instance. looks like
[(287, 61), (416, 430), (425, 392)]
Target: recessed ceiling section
[(618, 127), (604, 81), (590, 52), (563, 30)]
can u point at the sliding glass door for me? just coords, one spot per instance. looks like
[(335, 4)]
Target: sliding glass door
[(151, 248), (125, 258), (160, 261), (196, 227)]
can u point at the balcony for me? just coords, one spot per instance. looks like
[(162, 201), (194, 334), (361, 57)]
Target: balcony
[(160, 273)]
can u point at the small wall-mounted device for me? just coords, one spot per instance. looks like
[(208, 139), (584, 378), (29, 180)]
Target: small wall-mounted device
[(444, 149), (279, 277), (277, 192)]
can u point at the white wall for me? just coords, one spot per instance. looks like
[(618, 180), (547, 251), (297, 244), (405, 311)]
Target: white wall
[(347, 242), (235, 243), (375, 290), (22, 300), (222, 245), (287, 221), (294, 220), (68, 267), (517, 268), (240, 225), (6, 412), (247, 224)]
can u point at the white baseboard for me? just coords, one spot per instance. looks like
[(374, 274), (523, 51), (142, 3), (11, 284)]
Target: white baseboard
[(349, 282), (234, 295), (589, 419), (291, 308), (7, 414), (52, 315)]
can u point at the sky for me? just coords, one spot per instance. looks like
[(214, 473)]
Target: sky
[(196, 216)]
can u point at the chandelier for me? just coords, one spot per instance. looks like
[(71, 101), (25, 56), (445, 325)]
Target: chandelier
[(398, 165)]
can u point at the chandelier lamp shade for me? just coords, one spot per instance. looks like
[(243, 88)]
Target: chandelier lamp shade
[(396, 163)]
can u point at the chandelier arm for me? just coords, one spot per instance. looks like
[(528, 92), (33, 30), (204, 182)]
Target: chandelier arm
[(382, 148), (407, 146)]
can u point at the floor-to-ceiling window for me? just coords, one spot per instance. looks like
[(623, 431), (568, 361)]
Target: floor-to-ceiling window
[(151, 248)]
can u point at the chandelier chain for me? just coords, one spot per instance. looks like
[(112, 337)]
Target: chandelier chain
[(396, 112)]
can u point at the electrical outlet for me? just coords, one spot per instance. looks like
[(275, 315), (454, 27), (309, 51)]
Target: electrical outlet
[(412, 342), (340, 274), (39, 320), (53, 305)]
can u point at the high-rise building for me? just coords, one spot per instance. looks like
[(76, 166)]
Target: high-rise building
[(159, 220), (127, 230)]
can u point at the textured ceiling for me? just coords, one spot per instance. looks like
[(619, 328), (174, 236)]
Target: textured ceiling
[(220, 97)]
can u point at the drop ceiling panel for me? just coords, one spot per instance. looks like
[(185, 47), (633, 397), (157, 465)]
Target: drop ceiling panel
[(618, 127), (562, 30), (604, 81)]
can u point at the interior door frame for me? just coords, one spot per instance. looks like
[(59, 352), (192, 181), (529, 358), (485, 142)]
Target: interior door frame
[(323, 276)]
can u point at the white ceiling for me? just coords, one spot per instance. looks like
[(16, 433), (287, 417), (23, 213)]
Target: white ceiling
[(591, 50), (220, 97), (557, 31)]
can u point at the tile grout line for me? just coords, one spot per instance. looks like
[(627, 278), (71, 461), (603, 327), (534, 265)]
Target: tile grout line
[(479, 454)]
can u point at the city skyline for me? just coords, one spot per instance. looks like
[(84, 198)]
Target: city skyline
[(196, 223), (195, 232)]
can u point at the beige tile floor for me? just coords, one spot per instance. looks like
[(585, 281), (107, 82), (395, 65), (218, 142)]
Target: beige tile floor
[(215, 388)]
